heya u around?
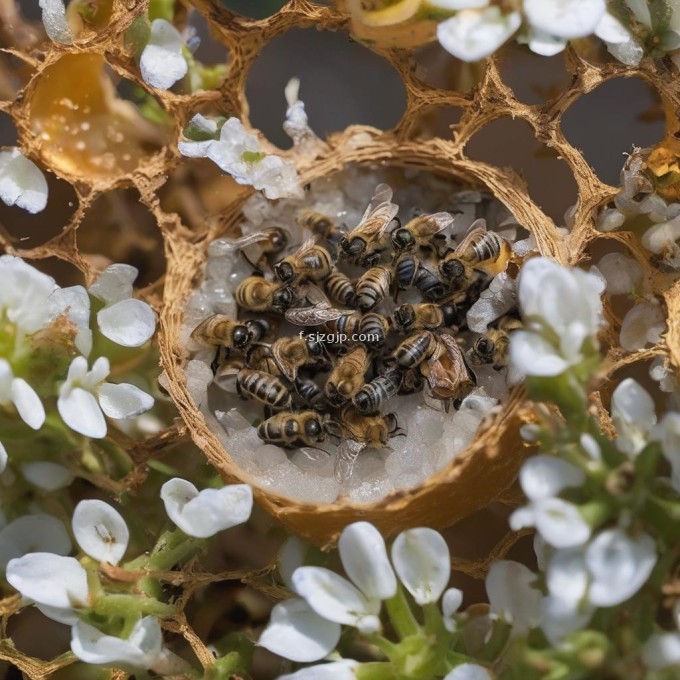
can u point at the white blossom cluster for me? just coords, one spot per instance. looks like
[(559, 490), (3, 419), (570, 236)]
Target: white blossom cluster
[(33, 304), (479, 27), (34, 551)]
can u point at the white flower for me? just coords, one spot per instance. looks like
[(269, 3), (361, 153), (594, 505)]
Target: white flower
[(336, 670), (619, 566), (633, 415), (511, 595), (422, 561), (662, 239), (669, 434), (545, 44), (363, 554), (662, 650), (24, 294), (124, 320), (469, 671), (25, 399), (3, 458), (49, 579), (559, 522), (33, 533), (22, 182), (54, 19), (562, 310), (560, 617), (451, 602), (162, 63), (203, 514), (455, 5), (84, 396), (296, 632), (47, 475), (564, 18), (74, 302), (643, 325), (471, 34), (142, 648), (239, 154), (100, 531)]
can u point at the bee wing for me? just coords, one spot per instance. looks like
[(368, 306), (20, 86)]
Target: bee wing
[(382, 194), (231, 244), (314, 315), (288, 369), (477, 229), (374, 224), (314, 295), (307, 245), (347, 455), (432, 224)]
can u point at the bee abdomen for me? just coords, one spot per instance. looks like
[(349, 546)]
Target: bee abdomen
[(340, 287), (414, 350), (264, 387), (372, 396)]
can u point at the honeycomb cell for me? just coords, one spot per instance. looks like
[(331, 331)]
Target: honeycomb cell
[(369, 88), (82, 128)]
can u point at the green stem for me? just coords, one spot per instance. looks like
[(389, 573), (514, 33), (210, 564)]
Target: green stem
[(401, 616), (129, 605), (378, 670), (389, 649)]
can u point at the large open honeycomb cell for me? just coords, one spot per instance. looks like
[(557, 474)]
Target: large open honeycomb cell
[(193, 207)]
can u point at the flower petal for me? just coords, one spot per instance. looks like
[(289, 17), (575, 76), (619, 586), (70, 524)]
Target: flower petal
[(620, 566), (3, 458), (336, 670), (662, 650), (100, 531), (633, 415), (511, 595), (643, 325), (298, 633), (141, 650), (212, 510), (129, 323), (162, 63), (560, 523), (471, 35), (332, 596), (33, 533), (49, 579), (559, 617), (81, 412), (423, 563), (28, 403), (22, 182), (115, 283), (567, 576), (469, 671), (451, 602), (55, 22), (47, 475), (364, 557), (545, 44), (565, 18), (544, 476), (533, 355), (123, 400)]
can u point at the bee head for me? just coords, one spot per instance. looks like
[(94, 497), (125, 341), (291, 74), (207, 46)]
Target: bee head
[(404, 316), (314, 429), (242, 337), (484, 348), (452, 270), (284, 271), (402, 239), (282, 299), (352, 247)]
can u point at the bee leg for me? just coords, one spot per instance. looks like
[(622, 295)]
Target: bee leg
[(217, 360)]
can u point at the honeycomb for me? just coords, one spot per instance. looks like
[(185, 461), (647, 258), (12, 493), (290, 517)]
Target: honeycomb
[(71, 120)]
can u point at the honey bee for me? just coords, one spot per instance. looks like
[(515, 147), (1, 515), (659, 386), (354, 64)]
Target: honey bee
[(492, 346), (375, 328), (270, 242), (288, 429), (420, 231), (320, 224), (340, 287), (425, 316), (372, 287), (290, 354), (364, 242), (480, 250), (264, 387), (415, 349), (346, 324), (347, 377), (359, 431), (221, 331), (409, 271), (309, 391), (311, 262), (257, 294), (446, 371), (373, 396)]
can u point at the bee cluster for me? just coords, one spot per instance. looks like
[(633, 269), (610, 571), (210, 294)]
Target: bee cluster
[(327, 334)]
